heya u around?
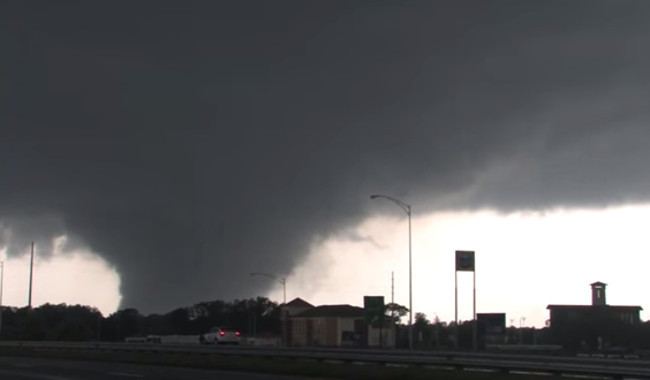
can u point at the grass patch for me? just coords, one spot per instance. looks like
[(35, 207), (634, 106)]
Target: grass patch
[(283, 366)]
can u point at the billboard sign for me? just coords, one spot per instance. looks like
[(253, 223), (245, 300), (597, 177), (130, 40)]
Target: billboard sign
[(465, 261)]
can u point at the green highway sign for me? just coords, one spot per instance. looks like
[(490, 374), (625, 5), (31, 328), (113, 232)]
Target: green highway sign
[(374, 308)]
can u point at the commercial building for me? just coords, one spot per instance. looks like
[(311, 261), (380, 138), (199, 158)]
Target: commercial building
[(596, 325), (326, 325), (562, 314)]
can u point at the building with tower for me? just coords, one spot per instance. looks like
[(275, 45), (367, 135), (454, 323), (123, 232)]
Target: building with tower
[(598, 308), (593, 325)]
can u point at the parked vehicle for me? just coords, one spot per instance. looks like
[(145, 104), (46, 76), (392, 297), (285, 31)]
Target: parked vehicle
[(221, 335)]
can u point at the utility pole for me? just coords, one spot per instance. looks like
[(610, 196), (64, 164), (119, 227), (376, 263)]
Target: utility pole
[(31, 277)]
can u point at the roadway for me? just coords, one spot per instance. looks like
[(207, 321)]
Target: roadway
[(22, 368)]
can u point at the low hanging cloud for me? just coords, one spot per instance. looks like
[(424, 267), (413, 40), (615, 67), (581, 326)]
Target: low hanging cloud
[(190, 144)]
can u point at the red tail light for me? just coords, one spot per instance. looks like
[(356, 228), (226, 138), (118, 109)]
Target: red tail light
[(222, 333), (237, 333)]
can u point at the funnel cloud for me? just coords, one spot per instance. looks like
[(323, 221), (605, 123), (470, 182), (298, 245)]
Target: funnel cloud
[(191, 143)]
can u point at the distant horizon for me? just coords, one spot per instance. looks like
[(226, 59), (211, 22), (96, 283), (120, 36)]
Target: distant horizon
[(332, 266)]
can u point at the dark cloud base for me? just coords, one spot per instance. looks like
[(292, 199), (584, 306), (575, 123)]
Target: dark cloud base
[(190, 144)]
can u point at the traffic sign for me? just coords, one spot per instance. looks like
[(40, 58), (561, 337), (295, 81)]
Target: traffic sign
[(374, 308)]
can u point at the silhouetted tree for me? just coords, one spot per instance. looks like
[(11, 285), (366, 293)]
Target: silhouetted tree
[(395, 312), (126, 323)]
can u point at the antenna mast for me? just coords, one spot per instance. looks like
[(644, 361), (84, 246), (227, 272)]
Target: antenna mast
[(392, 287)]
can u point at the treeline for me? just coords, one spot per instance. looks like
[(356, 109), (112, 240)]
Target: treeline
[(579, 336), (82, 323), (437, 334), (260, 316), (602, 333)]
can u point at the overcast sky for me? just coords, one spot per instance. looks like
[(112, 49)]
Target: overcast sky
[(190, 143)]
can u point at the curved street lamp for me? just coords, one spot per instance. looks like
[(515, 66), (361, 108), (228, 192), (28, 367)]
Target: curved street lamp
[(407, 208), (276, 278)]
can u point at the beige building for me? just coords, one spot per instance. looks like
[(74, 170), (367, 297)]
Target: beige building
[(287, 311), (327, 325), (382, 337)]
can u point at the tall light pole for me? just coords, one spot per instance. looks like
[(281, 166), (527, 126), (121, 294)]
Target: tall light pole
[(407, 208), (2, 279), (282, 281), (279, 279)]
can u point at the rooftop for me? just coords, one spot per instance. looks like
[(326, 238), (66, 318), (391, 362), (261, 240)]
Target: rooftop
[(299, 302), (585, 307), (332, 311)]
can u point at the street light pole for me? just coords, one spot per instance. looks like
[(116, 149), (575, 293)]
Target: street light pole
[(410, 285), (2, 279), (407, 208), (282, 281), (279, 279)]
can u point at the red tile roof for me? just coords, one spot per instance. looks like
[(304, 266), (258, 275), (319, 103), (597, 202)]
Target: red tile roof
[(299, 302), (332, 311)]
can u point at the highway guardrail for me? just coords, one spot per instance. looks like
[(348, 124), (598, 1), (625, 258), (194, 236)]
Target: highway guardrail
[(615, 368)]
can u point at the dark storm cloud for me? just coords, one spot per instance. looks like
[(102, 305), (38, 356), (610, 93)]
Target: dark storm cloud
[(191, 143)]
